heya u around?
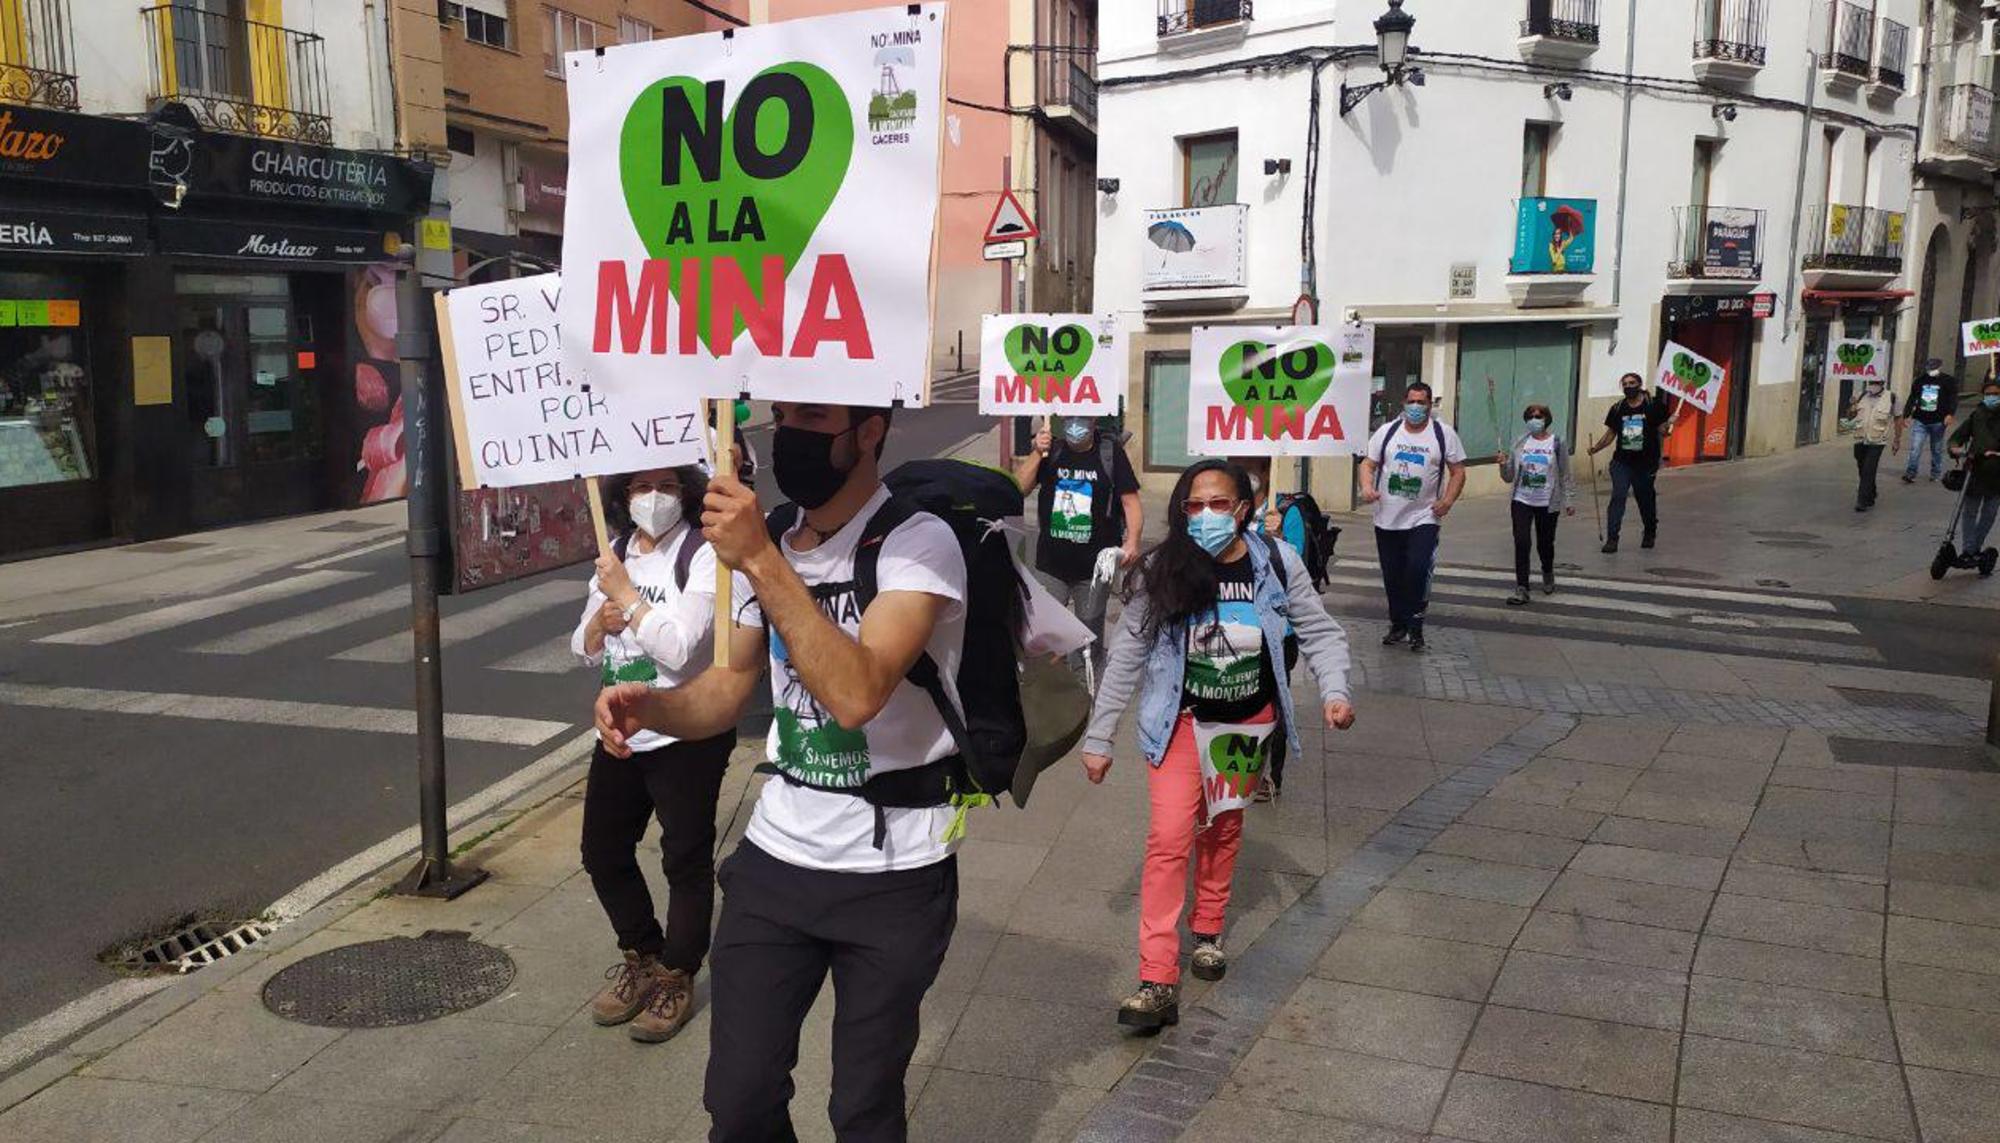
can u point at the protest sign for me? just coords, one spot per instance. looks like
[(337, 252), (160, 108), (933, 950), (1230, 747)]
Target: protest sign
[(1857, 359), (752, 211), (1051, 363), (1688, 375), (1279, 390), (1982, 336), (521, 415), (1233, 757)]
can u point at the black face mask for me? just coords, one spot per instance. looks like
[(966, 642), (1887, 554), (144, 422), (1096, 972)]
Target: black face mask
[(803, 462), (1631, 392)]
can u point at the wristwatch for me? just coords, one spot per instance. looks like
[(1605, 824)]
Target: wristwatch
[(632, 609)]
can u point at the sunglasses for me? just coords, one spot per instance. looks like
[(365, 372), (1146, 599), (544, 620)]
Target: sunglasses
[(1223, 504)]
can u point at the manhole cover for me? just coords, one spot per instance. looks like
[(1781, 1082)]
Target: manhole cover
[(1922, 755), (381, 984), (167, 547), (344, 526), (1803, 545), (1786, 535), (1682, 573), (1895, 700)]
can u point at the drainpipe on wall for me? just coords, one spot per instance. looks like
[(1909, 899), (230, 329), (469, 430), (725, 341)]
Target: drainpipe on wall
[(1799, 193), (1624, 166)]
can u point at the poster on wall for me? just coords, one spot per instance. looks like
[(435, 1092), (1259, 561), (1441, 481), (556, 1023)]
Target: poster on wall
[(1857, 361), (752, 211), (1036, 364), (1688, 375), (1982, 336), (1730, 242), (1194, 248), (1555, 236), (520, 415), (1279, 390)]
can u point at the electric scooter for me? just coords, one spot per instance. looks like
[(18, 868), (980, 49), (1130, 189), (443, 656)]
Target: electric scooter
[(1948, 556)]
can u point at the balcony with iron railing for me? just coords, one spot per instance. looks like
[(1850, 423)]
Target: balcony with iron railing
[(1066, 89), (1848, 59), (1720, 244), (1559, 31), (1892, 59), (239, 75), (1731, 40), (1961, 135), (37, 57), (1187, 17), (1852, 247)]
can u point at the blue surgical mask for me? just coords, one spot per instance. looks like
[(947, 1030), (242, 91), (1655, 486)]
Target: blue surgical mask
[(1213, 530), (1076, 432), (1537, 424), (1990, 401), (1415, 412)]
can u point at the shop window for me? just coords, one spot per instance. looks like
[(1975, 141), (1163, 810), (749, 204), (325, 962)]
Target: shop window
[(246, 401), (45, 408), (1504, 368), (1208, 170), (565, 32), (1167, 411), (1399, 363)]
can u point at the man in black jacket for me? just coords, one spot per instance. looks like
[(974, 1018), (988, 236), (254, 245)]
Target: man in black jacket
[(1928, 415)]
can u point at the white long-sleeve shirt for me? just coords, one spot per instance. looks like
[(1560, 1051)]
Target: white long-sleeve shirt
[(674, 637)]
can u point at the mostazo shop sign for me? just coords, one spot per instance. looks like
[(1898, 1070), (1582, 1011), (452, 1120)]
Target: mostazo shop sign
[(758, 209)]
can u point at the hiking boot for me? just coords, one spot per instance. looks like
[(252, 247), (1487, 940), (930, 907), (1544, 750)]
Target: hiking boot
[(632, 985), (1209, 962), (1646, 541), (1520, 595), (671, 1007), (1153, 1007), (1610, 547), (1548, 585), (1396, 635)]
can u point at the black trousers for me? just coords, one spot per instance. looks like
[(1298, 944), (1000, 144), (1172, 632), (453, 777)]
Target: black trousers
[(1407, 557), (1541, 522), (1637, 479), (678, 782), (1279, 745), (1867, 459), (882, 936)]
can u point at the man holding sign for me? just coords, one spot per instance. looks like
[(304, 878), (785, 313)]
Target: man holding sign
[(1636, 424), (825, 879)]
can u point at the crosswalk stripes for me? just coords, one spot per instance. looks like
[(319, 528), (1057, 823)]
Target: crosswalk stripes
[(551, 658), (478, 620), (194, 610), (329, 618)]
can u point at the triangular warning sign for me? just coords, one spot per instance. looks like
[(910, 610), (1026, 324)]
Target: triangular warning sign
[(1009, 220)]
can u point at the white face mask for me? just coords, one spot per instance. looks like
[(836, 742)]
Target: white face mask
[(656, 513)]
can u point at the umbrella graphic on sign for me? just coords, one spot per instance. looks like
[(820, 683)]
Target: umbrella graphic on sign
[(1170, 235)]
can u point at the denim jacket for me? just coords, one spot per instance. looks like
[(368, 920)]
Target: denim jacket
[(1158, 668)]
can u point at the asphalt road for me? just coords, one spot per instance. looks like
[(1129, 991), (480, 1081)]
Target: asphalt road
[(114, 824)]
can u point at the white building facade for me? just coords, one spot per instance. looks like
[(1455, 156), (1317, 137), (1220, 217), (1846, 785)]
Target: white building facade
[(1733, 175), (1952, 220)]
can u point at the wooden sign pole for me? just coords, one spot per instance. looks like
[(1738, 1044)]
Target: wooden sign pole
[(597, 520), (725, 464)]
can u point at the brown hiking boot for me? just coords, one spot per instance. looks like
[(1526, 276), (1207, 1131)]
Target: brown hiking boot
[(633, 983), (671, 1006)]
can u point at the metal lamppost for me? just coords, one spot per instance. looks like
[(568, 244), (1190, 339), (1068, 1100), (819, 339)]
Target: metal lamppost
[(1392, 50)]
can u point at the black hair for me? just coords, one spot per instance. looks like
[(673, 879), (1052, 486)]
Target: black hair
[(1176, 576), (1632, 377), (1544, 410), (1416, 385), (859, 413), (617, 490)]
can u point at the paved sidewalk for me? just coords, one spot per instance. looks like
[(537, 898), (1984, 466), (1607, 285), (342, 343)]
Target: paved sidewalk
[(1507, 907)]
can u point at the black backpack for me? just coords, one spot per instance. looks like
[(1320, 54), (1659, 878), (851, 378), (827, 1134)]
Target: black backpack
[(991, 731), (1321, 534)]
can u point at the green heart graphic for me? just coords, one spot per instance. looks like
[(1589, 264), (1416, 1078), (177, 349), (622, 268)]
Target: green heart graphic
[(1257, 376), (1045, 356), (1695, 373), (1857, 353), (685, 182), (1986, 331), (1238, 758)]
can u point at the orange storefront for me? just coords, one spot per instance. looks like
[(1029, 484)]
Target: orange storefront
[(1720, 328)]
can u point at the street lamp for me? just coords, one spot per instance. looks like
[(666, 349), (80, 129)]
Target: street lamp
[(1392, 51)]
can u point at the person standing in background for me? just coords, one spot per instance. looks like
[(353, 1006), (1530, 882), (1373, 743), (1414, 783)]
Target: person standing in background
[(1876, 427), (1412, 474), (1930, 413), (1538, 468), (1640, 425), (1089, 502)]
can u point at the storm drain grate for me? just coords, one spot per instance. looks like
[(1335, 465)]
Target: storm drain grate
[(386, 983), (1682, 573), (197, 946), (1922, 755), (1894, 700)]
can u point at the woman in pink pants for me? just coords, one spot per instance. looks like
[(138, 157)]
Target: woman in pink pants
[(1203, 615)]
